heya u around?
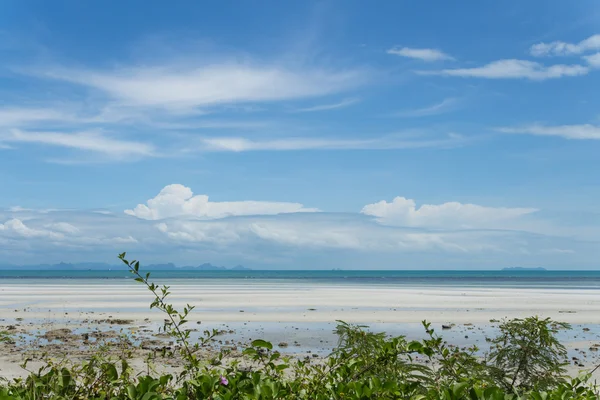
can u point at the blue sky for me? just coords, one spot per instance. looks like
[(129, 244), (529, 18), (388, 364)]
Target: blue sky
[(301, 134)]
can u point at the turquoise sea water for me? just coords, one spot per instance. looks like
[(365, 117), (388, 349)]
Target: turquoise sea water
[(507, 279)]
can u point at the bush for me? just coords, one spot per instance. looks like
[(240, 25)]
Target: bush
[(526, 362)]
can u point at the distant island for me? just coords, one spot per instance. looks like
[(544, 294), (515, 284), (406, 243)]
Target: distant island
[(107, 267), (524, 269)]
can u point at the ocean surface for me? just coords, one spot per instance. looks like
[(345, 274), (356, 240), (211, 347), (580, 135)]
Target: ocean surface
[(502, 279)]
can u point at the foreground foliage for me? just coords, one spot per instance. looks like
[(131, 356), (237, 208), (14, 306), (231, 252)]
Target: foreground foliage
[(525, 362)]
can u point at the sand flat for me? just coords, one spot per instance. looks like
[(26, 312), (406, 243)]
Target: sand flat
[(284, 301)]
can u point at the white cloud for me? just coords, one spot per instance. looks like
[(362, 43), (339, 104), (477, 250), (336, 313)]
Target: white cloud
[(403, 212), (421, 54), (324, 107), (179, 87), (315, 232), (557, 251), (188, 219), (19, 209), (558, 48), (103, 212), (88, 141), (17, 116), (111, 114), (63, 227), (392, 142), (16, 226), (123, 240), (593, 60), (456, 235), (439, 108), (577, 132), (40, 230), (177, 200), (514, 69), (185, 218)]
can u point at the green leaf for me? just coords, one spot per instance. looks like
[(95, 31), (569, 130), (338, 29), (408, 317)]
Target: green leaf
[(459, 388), (263, 344), (110, 371), (131, 392)]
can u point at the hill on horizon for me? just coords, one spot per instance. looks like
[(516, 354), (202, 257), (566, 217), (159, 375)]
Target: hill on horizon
[(105, 266)]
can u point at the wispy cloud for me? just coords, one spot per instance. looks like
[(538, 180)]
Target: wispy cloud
[(21, 116), (557, 251), (558, 48), (576, 132), (514, 69), (191, 85), (593, 60), (89, 141), (67, 116), (428, 55), (332, 106), (241, 144), (443, 106)]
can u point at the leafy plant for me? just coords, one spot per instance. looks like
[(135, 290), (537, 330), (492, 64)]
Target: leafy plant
[(528, 355)]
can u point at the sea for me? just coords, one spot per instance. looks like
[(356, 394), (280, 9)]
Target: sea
[(430, 278)]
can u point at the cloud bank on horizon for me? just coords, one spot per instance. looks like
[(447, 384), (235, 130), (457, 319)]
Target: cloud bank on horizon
[(326, 134), (176, 225)]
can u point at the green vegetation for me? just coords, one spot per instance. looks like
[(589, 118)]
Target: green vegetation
[(5, 336), (525, 362)]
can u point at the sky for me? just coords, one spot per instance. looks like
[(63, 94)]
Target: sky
[(301, 134)]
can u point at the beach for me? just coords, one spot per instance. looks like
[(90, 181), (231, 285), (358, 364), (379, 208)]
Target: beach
[(299, 302), (299, 315)]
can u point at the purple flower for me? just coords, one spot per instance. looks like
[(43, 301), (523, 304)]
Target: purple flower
[(224, 381)]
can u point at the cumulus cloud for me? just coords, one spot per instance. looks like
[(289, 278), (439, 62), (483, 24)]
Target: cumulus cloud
[(559, 48), (38, 233), (428, 55), (514, 69), (188, 219), (177, 200), (575, 132), (452, 215), (17, 227), (400, 226)]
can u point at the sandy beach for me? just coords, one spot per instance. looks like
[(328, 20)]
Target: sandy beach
[(300, 316), (297, 302)]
